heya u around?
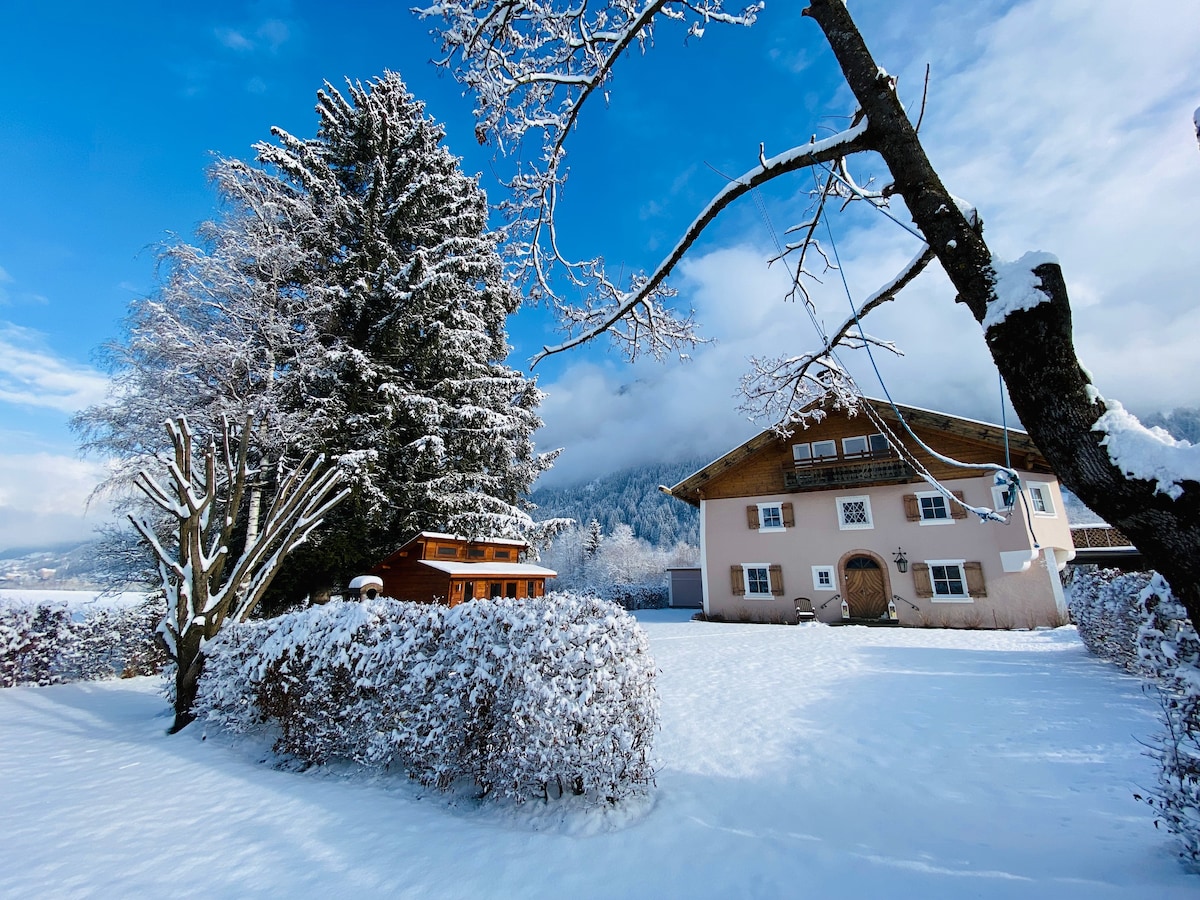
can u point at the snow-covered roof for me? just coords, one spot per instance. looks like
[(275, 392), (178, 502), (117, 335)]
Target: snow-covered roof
[(438, 535), (485, 569)]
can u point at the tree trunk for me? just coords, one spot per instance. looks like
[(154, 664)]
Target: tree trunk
[(189, 667), (1034, 348)]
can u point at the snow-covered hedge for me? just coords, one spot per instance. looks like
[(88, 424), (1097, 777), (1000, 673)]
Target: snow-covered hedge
[(1105, 607), (46, 644), (527, 698), (1169, 649), (1134, 621), (644, 595)]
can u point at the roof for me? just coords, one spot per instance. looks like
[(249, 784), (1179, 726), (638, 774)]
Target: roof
[(438, 535), (484, 569), (1018, 440)]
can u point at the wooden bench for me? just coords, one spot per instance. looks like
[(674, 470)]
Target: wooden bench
[(804, 610)]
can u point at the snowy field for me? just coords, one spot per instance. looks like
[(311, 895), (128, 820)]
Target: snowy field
[(796, 762)]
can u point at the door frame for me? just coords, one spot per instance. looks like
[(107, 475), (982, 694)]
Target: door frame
[(870, 554)]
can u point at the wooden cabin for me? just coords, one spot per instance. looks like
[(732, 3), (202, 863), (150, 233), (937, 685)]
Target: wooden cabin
[(445, 568)]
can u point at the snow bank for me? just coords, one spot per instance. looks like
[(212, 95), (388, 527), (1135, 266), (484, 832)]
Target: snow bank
[(1150, 454)]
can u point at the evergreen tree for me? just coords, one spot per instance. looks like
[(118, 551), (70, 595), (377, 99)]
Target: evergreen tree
[(351, 301)]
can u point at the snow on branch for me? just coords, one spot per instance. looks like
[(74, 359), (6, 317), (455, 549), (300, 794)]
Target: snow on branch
[(781, 390), (1147, 453)]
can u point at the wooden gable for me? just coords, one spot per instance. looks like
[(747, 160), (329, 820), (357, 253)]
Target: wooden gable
[(840, 451)]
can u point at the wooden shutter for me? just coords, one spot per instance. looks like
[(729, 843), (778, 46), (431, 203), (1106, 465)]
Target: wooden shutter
[(752, 517), (957, 511), (976, 586), (789, 516), (912, 508), (921, 579), (737, 581), (775, 573)]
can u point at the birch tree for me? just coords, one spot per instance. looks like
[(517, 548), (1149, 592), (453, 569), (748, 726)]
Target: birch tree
[(207, 582), (533, 65)]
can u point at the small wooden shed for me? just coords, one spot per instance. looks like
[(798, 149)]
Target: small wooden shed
[(444, 568)]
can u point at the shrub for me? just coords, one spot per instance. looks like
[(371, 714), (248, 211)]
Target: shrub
[(1104, 604), (523, 697)]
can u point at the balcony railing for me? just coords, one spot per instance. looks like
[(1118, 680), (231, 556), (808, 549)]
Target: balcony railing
[(862, 468)]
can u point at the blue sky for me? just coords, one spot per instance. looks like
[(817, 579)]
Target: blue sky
[(1068, 123)]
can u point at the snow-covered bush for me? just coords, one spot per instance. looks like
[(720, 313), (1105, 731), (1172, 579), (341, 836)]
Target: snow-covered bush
[(1104, 605), (1169, 650), (45, 644), (645, 595), (525, 697)]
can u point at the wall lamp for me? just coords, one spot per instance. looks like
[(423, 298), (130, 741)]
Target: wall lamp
[(901, 561)]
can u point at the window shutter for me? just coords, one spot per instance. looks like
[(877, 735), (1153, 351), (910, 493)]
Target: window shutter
[(752, 517), (956, 511), (776, 575), (912, 509), (737, 581), (975, 583), (789, 516), (921, 580)]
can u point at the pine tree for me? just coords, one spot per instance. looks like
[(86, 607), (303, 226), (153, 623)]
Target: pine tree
[(349, 300)]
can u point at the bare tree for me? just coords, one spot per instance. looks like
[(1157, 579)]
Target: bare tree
[(206, 585), (533, 64)]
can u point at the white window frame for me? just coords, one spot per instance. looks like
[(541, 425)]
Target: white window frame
[(804, 457), (964, 597), (1047, 499), (948, 520), (817, 457), (762, 518), (998, 492), (751, 595), (854, 526), (817, 572)]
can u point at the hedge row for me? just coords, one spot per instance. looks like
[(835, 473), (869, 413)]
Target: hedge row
[(525, 698)]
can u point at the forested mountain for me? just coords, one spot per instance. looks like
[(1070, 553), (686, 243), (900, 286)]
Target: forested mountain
[(632, 497)]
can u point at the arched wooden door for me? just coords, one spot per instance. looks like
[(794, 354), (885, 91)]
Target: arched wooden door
[(866, 593)]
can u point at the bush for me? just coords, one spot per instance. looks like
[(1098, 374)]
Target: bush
[(523, 697), (646, 595), (43, 644), (1105, 607)]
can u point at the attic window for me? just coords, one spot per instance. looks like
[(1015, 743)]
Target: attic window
[(476, 552), (447, 551), (503, 554)]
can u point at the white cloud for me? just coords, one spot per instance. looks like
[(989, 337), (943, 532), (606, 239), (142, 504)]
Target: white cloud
[(44, 499), (31, 375)]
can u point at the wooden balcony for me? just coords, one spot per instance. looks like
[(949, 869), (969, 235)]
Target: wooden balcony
[(860, 469)]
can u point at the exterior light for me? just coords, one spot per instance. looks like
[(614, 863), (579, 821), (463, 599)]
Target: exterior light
[(901, 561)]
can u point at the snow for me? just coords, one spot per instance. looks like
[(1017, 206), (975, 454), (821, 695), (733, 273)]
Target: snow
[(77, 601), (1147, 453), (1016, 287), (488, 568), (796, 762)]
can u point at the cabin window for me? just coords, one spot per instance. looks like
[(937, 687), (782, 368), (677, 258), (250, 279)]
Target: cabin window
[(510, 590), (854, 513), (476, 553), (447, 551), (495, 589), (1039, 499), (503, 554), (469, 590), (822, 578)]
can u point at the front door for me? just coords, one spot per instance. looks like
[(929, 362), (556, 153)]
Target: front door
[(866, 593)]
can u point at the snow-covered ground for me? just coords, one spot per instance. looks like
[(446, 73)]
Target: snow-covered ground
[(796, 762), (78, 601)]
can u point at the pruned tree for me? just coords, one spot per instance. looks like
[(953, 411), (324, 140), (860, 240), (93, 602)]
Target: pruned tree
[(206, 581), (534, 64)]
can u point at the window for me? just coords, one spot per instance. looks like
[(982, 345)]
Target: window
[(854, 513), (510, 590), (934, 507), (823, 578), (864, 445), (949, 580), (756, 580), (503, 554), (475, 553), (1003, 497), (770, 516), (447, 551), (804, 454), (1039, 499)]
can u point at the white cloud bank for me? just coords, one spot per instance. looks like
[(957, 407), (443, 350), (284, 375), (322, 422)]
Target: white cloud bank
[(1069, 126), (32, 375), (44, 499)]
